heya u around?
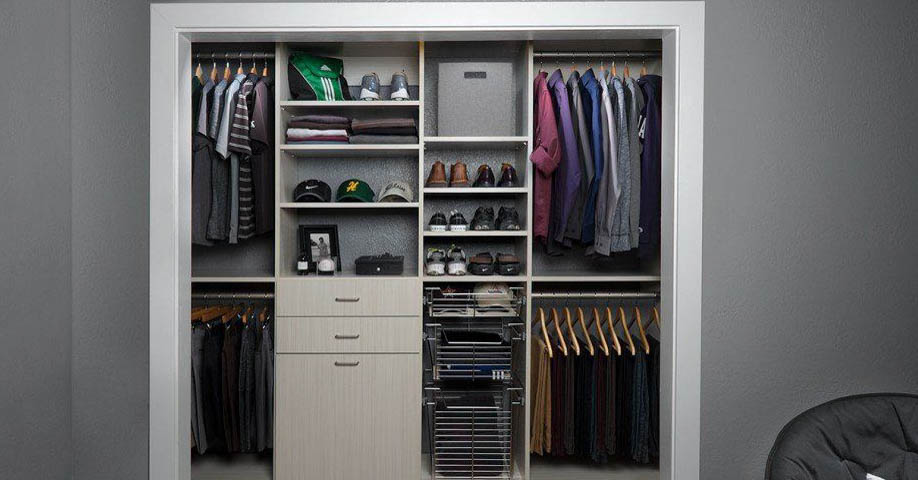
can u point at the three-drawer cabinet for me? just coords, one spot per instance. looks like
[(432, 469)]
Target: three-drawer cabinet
[(348, 379)]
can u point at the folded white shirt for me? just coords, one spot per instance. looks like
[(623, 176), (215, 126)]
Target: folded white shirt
[(309, 132)]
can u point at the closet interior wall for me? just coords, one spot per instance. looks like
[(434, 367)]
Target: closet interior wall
[(268, 263)]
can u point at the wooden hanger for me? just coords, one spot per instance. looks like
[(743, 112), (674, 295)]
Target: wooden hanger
[(570, 330), (217, 312), (240, 71), (610, 324), (557, 321), (614, 71), (627, 334), (199, 73), (264, 71), (641, 333), (643, 67), (586, 333), (627, 71), (227, 73), (596, 321), (213, 69), (231, 314), (198, 313), (654, 320), (254, 69), (545, 332)]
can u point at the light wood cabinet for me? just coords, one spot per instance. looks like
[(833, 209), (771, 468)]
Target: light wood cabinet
[(348, 417), (348, 334)]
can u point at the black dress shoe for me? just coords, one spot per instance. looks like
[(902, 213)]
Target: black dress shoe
[(508, 176), (485, 177)]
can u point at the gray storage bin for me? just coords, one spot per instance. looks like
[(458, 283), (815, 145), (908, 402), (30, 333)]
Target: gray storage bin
[(475, 99)]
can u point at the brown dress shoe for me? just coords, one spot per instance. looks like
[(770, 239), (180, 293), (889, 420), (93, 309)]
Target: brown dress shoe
[(437, 177), (458, 175)]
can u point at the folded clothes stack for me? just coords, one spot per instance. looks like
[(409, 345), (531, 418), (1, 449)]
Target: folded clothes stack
[(384, 130), (318, 129)]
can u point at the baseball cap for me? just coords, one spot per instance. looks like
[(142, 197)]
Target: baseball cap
[(396, 192), (354, 190), (312, 191)]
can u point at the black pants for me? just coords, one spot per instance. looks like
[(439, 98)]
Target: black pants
[(213, 379)]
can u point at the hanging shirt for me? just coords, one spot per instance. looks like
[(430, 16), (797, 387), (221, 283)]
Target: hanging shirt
[(584, 152), (620, 232), (545, 156), (229, 110), (650, 166), (634, 104), (239, 142), (201, 194), (216, 109), (593, 109), (609, 189), (567, 177), (218, 219), (262, 142)]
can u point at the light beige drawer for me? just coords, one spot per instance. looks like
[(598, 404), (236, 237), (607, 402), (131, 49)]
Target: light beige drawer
[(347, 417), (348, 334), (348, 297)]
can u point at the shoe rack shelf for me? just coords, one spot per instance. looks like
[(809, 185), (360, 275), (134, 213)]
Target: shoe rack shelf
[(348, 150), (478, 233), (475, 190), (339, 104), (349, 205), (474, 278), (475, 142)]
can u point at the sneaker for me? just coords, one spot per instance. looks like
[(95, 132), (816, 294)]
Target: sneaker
[(508, 264), (481, 264), (484, 219), (457, 222), (508, 176), (508, 219), (399, 88), (456, 264), (436, 264), (485, 177), (369, 87), (437, 222)]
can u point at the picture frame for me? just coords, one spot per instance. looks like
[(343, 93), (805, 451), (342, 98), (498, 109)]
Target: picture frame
[(318, 241)]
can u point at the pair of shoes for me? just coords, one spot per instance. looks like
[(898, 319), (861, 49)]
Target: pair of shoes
[(451, 262), (508, 177), (459, 176), (456, 223), (502, 264), (507, 219), (369, 87)]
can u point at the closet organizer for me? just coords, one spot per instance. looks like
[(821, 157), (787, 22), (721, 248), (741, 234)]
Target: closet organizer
[(542, 362)]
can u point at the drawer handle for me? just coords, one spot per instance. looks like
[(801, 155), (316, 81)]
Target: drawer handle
[(338, 336), (346, 364), (347, 299)]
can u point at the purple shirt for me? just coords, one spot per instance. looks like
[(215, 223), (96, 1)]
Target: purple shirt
[(545, 156), (567, 177)]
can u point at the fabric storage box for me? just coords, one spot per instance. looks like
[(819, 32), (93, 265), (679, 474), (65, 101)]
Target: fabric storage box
[(475, 99)]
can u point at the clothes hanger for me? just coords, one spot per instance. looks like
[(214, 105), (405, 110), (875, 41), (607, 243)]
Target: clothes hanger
[(264, 71), (213, 69), (216, 313), (654, 320), (240, 71), (641, 334), (614, 72), (254, 69), (586, 333), (597, 322), (570, 330), (627, 71), (545, 332), (610, 324), (557, 321), (644, 71), (627, 334), (227, 73), (200, 312), (199, 72)]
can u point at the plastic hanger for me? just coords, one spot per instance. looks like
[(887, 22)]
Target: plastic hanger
[(641, 334), (627, 334), (570, 330), (557, 321), (597, 322), (586, 333), (545, 332)]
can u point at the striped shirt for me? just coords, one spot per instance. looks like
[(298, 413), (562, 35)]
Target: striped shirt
[(239, 142)]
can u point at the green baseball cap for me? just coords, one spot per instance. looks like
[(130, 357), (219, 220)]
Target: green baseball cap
[(354, 190)]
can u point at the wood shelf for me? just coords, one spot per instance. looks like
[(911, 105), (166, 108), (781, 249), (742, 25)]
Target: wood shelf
[(203, 279), (350, 150), (348, 205), (477, 233), (474, 190), (350, 104), (469, 278), (476, 142), (587, 277)]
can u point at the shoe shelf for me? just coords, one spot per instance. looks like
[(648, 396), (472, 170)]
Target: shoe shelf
[(477, 233), (474, 190), (475, 142), (348, 205), (363, 104), (469, 278), (349, 150), (203, 279)]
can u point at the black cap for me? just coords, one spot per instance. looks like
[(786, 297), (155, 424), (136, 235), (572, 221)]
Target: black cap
[(312, 191)]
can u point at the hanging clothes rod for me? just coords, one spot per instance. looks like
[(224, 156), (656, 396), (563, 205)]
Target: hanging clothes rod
[(646, 54), (232, 55), (596, 295), (232, 296)]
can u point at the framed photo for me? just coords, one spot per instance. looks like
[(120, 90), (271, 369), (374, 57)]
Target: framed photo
[(318, 242)]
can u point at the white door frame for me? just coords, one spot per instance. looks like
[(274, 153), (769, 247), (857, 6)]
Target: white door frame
[(174, 26)]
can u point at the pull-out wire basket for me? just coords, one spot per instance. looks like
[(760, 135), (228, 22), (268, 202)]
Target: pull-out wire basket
[(499, 301), (473, 349), (471, 433)]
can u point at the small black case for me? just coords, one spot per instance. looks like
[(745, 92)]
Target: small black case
[(385, 264)]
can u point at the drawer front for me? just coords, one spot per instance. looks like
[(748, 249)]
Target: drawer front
[(348, 334), (348, 417), (348, 297)]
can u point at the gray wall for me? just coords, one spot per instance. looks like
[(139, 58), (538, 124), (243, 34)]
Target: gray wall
[(35, 241), (810, 223)]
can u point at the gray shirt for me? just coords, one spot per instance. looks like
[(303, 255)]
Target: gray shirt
[(621, 222), (216, 109), (581, 131), (635, 104), (609, 187), (226, 120)]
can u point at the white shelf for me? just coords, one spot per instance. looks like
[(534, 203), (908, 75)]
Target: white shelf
[(586, 277), (476, 142), (232, 279), (349, 104), (474, 278), (349, 205), (348, 150), (477, 233), (474, 190)]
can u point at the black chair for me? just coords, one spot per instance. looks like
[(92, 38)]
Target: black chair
[(849, 438)]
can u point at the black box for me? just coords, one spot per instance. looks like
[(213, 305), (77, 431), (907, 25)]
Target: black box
[(385, 264)]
